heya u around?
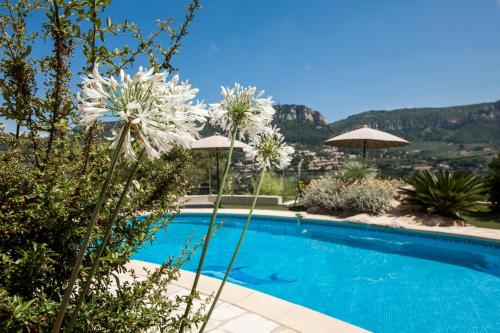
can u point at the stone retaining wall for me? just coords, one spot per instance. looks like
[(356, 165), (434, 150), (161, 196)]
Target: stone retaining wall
[(235, 199)]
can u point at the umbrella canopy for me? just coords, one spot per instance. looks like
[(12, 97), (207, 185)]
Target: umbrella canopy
[(216, 143), (366, 138)]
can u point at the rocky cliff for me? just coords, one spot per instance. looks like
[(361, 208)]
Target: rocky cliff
[(299, 113)]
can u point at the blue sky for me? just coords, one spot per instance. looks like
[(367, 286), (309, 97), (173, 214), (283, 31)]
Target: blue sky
[(342, 57), (339, 57)]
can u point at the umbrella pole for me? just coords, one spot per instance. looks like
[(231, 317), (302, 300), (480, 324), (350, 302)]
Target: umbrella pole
[(364, 150), (209, 181), (217, 165)]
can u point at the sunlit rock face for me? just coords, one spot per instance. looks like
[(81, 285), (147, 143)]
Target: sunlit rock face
[(299, 113)]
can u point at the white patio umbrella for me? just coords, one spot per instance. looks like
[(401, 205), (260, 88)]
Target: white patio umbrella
[(366, 138), (216, 143)]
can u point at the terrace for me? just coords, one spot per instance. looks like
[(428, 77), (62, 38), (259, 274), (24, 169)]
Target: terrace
[(143, 189)]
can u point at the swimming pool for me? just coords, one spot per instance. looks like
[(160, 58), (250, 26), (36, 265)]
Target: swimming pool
[(379, 279)]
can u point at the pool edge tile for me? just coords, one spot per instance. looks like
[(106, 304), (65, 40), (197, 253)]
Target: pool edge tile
[(283, 313)]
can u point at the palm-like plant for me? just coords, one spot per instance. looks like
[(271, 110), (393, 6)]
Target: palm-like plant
[(353, 170), (445, 193)]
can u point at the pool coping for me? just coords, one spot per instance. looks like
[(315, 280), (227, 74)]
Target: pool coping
[(282, 312), (468, 232)]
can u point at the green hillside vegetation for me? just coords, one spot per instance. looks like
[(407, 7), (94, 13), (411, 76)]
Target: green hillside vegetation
[(304, 133), (466, 124), (459, 124), (459, 137)]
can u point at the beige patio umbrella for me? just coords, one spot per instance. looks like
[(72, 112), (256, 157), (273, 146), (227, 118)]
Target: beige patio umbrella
[(216, 143), (366, 138)]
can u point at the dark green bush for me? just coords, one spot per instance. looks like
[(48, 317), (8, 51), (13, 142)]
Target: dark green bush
[(44, 214), (445, 193)]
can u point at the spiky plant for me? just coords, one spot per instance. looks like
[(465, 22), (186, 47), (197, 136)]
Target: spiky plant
[(353, 170), (445, 193)]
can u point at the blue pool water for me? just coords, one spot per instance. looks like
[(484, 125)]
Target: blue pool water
[(381, 280)]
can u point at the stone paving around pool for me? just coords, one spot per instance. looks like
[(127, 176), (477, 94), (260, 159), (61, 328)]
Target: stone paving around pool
[(243, 310), (228, 318)]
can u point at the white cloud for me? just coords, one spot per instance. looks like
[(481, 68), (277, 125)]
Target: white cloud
[(214, 48)]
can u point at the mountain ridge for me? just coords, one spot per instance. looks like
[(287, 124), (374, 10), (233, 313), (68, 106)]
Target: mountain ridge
[(473, 123), (466, 124)]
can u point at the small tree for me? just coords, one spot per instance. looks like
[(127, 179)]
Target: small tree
[(52, 170), (17, 72)]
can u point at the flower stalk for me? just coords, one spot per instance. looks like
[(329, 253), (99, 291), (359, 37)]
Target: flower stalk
[(78, 261), (157, 114), (268, 149), (104, 242), (240, 112), (235, 253), (208, 236)]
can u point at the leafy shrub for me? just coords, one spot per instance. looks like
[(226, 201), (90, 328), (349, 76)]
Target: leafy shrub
[(271, 184), (325, 193), (302, 188), (50, 176), (445, 193), (366, 196), (40, 236), (494, 182), (355, 170), (275, 184)]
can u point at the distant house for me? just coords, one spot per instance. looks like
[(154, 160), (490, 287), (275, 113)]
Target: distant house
[(443, 166)]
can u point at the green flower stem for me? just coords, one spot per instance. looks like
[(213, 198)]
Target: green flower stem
[(208, 237), (233, 258), (78, 262), (104, 242)]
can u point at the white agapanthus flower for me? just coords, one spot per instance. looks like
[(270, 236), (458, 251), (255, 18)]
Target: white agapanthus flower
[(270, 149), (243, 109), (157, 113)]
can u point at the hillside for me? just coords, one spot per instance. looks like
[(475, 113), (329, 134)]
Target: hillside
[(477, 123), (457, 137), (300, 124)]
